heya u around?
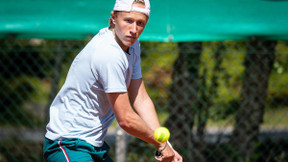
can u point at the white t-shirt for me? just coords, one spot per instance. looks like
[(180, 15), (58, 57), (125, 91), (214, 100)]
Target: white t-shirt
[(81, 108)]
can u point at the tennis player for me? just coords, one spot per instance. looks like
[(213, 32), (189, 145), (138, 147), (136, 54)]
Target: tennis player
[(100, 82)]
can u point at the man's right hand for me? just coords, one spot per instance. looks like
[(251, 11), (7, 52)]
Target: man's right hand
[(167, 155)]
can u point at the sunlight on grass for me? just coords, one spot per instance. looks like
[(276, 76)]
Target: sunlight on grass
[(276, 117), (273, 118)]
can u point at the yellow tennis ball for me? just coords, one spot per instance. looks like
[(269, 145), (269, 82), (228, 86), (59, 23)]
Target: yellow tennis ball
[(161, 134)]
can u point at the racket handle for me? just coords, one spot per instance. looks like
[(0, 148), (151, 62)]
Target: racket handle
[(158, 153)]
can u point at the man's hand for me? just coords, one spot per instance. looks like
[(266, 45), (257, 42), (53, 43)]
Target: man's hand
[(167, 155), (177, 157)]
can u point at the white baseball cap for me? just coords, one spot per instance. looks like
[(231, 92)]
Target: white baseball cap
[(127, 6)]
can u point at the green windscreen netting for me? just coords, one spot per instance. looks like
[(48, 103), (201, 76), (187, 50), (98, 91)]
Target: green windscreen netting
[(184, 20)]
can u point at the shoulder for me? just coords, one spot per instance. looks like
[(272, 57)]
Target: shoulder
[(136, 48), (104, 45), (108, 54), (136, 45)]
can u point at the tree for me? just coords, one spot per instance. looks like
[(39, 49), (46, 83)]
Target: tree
[(183, 97), (258, 65)]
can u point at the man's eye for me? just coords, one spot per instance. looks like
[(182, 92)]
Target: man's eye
[(128, 21)]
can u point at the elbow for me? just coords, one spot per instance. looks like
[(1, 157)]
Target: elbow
[(124, 125), (126, 122)]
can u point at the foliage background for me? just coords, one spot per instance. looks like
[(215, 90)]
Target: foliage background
[(33, 70)]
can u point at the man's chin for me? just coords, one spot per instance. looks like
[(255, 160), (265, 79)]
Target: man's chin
[(129, 43)]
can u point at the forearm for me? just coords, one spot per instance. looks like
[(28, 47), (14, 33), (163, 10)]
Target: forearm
[(143, 104), (130, 121), (137, 127), (146, 110)]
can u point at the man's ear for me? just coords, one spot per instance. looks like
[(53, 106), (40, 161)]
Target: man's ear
[(113, 16)]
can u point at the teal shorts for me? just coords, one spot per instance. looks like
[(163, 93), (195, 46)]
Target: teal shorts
[(74, 150)]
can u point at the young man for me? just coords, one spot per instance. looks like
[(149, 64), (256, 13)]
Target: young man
[(96, 91)]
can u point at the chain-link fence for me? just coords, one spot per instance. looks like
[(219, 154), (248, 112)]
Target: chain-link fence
[(222, 101)]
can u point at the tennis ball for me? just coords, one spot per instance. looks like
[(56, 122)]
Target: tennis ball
[(161, 134)]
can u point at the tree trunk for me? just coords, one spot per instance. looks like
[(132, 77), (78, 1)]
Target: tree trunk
[(183, 98), (258, 65)]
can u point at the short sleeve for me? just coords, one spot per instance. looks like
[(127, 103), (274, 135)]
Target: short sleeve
[(112, 77), (110, 72), (137, 74)]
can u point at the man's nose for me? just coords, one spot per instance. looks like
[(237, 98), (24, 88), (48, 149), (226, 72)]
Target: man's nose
[(134, 28)]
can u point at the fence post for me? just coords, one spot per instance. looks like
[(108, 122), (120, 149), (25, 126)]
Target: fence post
[(121, 146)]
